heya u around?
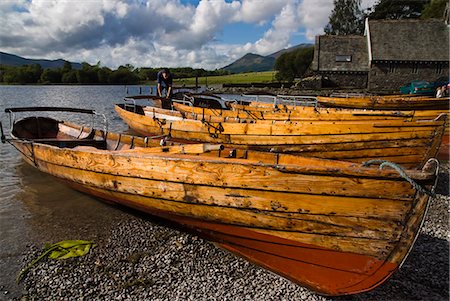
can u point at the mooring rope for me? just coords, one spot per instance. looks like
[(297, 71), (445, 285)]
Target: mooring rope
[(402, 173)]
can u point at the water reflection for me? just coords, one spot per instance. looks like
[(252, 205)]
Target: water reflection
[(57, 212), (36, 208)]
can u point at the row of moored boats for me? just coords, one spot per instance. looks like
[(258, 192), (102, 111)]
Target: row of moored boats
[(329, 193)]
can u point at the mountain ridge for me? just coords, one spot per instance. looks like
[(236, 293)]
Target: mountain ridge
[(251, 62), (9, 59)]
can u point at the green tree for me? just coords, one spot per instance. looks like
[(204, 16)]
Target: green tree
[(27, 74), (67, 67), (285, 69), (51, 76), (434, 9), (87, 74), (123, 75), (10, 75), (103, 75), (347, 18), (397, 9), (69, 77), (293, 64), (303, 59)]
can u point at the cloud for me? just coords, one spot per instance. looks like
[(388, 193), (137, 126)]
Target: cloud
[(154, 32), (257, 11), (314, 16)]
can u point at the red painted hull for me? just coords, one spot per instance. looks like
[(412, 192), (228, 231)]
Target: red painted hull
[(444, 150), (325, 271)]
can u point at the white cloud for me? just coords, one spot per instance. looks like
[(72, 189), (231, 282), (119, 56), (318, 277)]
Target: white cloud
[(154, 32), (314, 16), (259, 11)]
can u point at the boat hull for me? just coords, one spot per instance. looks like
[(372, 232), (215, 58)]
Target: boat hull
[(335, 227), (265, 111), (385, 103), (407, 143), (325, 271), (338, 240)]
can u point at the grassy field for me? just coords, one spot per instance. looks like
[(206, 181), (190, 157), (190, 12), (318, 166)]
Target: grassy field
[(242, 78)]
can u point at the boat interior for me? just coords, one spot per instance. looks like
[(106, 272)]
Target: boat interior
[(64, 134), (51, 131)]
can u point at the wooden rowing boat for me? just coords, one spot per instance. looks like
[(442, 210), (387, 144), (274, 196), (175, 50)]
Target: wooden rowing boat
[(408, 143), (385, 103), (335, 227), (264, 111)]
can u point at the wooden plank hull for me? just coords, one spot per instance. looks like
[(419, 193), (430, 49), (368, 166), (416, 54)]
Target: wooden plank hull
[(335, 227), (332, 251), (323, 270), (350, 140), (263, 111), (385, 103)]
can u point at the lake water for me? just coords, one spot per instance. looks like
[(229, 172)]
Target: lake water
[(34, 207)]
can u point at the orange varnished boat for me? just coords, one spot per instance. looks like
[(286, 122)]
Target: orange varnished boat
[(335, 227), (264, 111), (408, 143), (386, 103)]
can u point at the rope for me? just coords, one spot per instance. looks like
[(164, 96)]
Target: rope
[(402, 173)]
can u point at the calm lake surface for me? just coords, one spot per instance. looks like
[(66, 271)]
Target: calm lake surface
[(34, 207)]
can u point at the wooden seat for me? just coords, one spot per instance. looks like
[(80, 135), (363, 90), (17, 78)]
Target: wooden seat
[(71, 143)]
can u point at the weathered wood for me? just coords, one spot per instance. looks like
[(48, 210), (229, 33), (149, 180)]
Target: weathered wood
[(379, 102), (307, 137), (304, 218), (297, 113)]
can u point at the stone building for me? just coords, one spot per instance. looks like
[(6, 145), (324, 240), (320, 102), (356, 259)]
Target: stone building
[(390, 54)]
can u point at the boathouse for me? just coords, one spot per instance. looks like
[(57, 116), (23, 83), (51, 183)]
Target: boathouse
[(390, 54)]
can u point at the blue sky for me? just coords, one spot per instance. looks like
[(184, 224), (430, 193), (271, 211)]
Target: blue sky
[(240, 33), (206, 34)]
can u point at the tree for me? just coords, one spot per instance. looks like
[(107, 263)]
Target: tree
[(434, 9), (397, 9), (67, 67), (103, 75), (51, 76), (123, 75), (87, 74), (70, 77), (285, 67), (346, 18), (293, 64)]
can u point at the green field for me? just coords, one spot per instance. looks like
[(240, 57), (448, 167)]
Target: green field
[(241, 78)]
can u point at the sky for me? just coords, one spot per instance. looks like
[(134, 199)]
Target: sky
[(207, 34)]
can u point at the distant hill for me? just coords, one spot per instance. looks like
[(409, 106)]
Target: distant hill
[(257, 63), (280, 52), (15, 60), (251, 63)]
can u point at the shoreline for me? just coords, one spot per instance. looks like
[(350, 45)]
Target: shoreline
[(146, 258)]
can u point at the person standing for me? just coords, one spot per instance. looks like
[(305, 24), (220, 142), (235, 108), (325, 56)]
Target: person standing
[(439, 92), (444, 91), (164, 81)]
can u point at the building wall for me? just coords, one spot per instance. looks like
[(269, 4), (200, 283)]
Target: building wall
[(344, 80), (390, 76), (327, 48)]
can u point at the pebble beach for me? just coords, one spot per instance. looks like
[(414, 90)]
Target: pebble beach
[(141, 257)]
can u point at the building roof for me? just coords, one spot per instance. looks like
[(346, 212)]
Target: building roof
[(409, 40), (329, 47)]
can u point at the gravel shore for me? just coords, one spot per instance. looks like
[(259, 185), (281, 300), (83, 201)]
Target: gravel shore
[(144, 258)]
